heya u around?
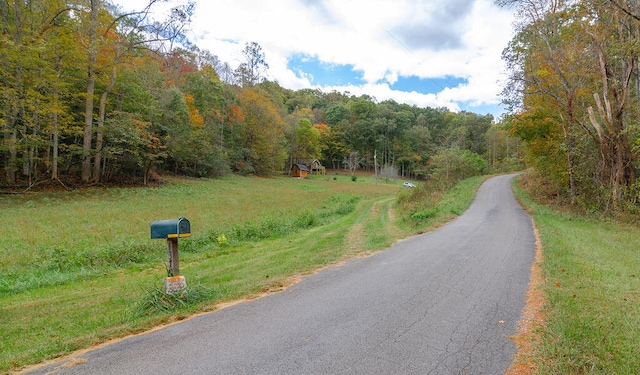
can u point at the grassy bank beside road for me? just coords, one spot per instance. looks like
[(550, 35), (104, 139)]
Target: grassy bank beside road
[(592, 285), (78, 268)]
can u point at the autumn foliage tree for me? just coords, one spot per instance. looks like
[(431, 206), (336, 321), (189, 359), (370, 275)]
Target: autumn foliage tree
[(261, 133), (574, 84)]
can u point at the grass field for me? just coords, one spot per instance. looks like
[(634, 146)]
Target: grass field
[(55, 237), (591, 272), (78, 268)]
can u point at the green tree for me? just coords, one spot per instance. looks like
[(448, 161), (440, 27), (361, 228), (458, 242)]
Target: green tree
[(336, 114), (503, 150), (417, 146), (466, 130), (332, 144), (453, 164), (307, 141)]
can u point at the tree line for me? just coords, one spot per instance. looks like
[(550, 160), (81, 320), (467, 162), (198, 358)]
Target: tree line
[(89, 94), (575, 94)]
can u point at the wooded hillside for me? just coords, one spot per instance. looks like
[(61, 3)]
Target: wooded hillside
[(90, 95), (575, 89)]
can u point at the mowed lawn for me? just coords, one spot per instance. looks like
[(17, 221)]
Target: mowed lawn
[(78, 268)]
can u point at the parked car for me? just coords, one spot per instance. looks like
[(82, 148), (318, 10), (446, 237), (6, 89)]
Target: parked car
[(409, 185)]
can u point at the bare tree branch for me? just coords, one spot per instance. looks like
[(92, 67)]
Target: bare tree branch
[(624, 9)]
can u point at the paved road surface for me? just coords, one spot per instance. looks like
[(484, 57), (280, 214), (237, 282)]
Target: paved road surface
[(443, 302)]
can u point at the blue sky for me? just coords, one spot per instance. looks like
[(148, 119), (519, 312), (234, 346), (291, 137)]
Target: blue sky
[(324, 74), (436, 53), (427, 85)]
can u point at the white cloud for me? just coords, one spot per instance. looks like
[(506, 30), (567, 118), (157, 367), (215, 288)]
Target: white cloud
[(385, 39)]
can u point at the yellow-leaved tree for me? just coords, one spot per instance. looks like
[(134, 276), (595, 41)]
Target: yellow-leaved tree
[(261, 133)]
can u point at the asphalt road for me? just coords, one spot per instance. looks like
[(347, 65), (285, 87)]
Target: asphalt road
[(444, 302)]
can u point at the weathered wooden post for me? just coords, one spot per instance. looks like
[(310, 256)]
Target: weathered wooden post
[(171, 230), (174, 262)]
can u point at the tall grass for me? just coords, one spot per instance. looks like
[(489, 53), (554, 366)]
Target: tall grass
[(155, 300), (275, 225), (592, 284), (429, 204)]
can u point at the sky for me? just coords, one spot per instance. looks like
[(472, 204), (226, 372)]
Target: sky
[(428, 53)]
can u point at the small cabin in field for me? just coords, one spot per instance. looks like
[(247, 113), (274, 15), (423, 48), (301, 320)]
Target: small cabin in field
[(317, 167), (299, 170)]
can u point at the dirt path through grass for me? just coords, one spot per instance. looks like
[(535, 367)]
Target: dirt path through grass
[(374, 228)]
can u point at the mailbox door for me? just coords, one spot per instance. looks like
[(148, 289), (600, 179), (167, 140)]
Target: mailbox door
[(184, 228)]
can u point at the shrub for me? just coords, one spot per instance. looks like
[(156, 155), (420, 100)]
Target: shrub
[(452, 165), (425, 214)]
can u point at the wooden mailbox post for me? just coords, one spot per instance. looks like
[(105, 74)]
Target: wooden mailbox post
[(172, 230)]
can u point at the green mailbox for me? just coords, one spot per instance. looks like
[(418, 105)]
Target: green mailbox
[(174, 228), (171, 230)]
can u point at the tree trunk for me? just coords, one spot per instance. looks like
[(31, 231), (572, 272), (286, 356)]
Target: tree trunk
[(11, 135), (621, 170), (91, 81), (572, 177), (56, 141), (29, 164), (55, 132), (13, 156), (101, 115), (569, 140), (614, 146)]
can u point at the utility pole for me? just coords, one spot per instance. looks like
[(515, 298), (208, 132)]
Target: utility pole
[(375, 165)]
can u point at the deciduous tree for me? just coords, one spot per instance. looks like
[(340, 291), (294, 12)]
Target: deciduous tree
[(579, 60), (251, 71), (261, 132)]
